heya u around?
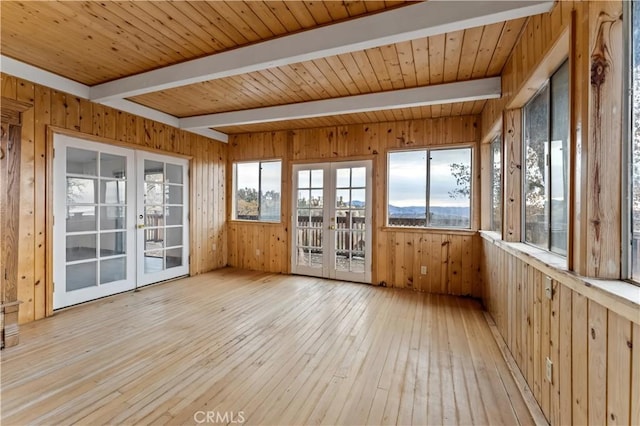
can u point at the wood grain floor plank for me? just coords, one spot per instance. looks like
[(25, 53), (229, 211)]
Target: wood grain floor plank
[(272, 348)]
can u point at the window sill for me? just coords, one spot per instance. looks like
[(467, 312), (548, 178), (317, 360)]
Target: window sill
[(619, 296), (253, 222), (433, 230)]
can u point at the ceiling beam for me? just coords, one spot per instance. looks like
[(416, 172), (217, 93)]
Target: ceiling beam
[(53, 81), (161, 117), (37, 75), (464, 91), (407, 23)]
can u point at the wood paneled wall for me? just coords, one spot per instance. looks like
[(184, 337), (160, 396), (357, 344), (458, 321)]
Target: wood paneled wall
[(595, 48), (450, 257), (589, 334), (594, 345), (67, 112)]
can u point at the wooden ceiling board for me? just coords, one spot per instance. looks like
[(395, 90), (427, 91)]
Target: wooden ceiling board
[(488, 43), (365, 74), (407, 63), (420, 51), (445, 58), (436, 58), (94, 42), (508, 38), (469, 52), (453, 50)]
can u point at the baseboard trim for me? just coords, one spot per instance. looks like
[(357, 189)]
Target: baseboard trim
[(521, 383)]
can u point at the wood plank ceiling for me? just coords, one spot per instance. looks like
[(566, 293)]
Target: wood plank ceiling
[(96, 42)]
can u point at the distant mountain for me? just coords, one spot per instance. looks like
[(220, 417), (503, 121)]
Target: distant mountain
[(419, 211)]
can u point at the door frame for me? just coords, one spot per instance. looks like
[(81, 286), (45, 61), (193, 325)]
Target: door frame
[(329, 269), (51, 132)]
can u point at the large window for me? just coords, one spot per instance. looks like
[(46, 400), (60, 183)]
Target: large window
[(256, 189), (496, 184), (429, 188), (635, 139), (546, 170)]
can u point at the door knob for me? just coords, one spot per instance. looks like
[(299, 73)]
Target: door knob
[(141, 226), (332, 227)]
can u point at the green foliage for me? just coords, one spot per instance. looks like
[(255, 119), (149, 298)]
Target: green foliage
[(462, 173)]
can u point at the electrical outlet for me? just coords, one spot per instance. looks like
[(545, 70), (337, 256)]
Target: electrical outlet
[(423, 270), (548, 287), (213, 247), (549, 371), (257, 252)]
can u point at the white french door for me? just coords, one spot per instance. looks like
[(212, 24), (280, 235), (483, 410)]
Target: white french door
[(162, 223), (331, 220), (105, 199)]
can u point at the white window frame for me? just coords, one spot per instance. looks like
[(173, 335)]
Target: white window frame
[(234, 189), (429, 149)]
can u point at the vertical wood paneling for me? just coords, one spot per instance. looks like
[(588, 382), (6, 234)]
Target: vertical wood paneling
[(450, 258), (604, 161), (592, 349), (594, 375), (42, 112), (67, 112), (635, 376), (565, 356), (619, 371), (513, 174), (25, 92), (597, 361), (579, 362)]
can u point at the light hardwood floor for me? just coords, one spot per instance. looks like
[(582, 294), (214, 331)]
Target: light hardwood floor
[(269, 349)]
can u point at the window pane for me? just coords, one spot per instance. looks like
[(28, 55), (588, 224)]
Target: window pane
[(270, 191), (536, 131), (303, 179), (80, 247), (358, 177), (81, 275), (257, 190), (112, 166), (81, 191), (153, 171), (113, 191), (81, 218), (113, 270), (496, 184), (174, 258), (174, 173), (559, 158), (343, 178), (450, 188), (635, 134), (247, 177), (173, 193), (112, 217), (407, 188), (112, 243), (82, 162)]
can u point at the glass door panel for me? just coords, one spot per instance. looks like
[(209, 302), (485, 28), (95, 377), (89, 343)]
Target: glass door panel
[(90, 205), (162, 218), (309, 221)]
